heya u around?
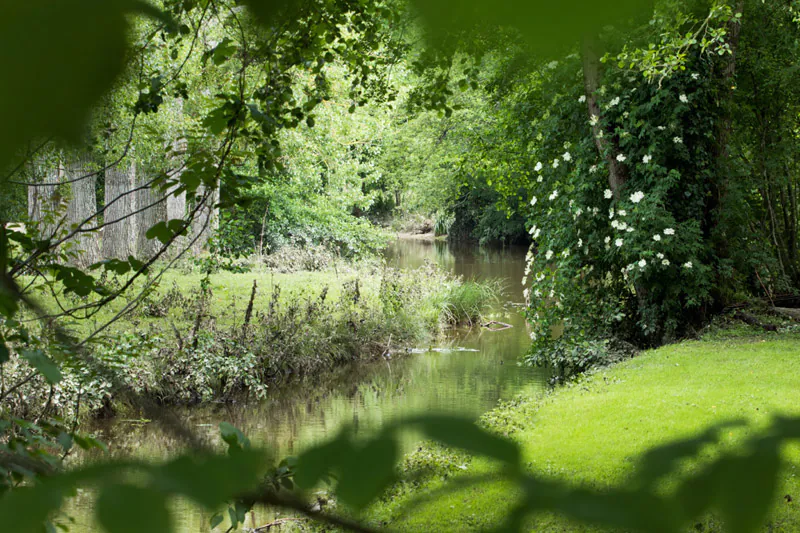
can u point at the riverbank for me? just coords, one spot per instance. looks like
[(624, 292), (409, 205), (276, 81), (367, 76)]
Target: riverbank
[(199, 338), (590, 432)]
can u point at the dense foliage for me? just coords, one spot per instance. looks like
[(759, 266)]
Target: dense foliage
[(648, 154)]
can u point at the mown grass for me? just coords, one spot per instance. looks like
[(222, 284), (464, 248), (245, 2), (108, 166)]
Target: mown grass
[(591, 432)]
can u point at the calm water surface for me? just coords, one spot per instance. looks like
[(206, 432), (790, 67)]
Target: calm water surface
[(468, 374)]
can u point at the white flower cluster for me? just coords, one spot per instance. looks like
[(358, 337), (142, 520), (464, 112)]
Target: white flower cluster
[(582, 98), (621, 158), (637, 197), (607, 194), (646, 159), (538, 166), (592, 169), (553, 195), (683, 98)]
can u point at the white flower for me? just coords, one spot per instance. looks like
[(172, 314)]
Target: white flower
[(567, 156), (637, 197), (578, 212), (554, 195), (695, 75), (656, 237), (630, 229), (625, 114), (565, 253), (614, 102), (524, 280), (660, 255), (687, 264), (677, 140), (539, 179), (669, 231), (571, 203), (549, 254), (555, 163), (538, 166), (582, 98), (592, 169), (607, 194), (665, 262), (611, 213), (618, 242), (630, 267), (622, 212), (646, 159), (621, 226), (540, 277), (661, 128), (526, 293), (607, 240), (615, 224), (533, 201), (535, 234), (533, 229), (537, 293), (621, 157), (600, 134), (683, 99), (580, 243), (642, 263), (593, 120)]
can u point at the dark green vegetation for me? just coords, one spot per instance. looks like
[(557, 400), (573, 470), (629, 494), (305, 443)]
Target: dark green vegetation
[(645, 151)]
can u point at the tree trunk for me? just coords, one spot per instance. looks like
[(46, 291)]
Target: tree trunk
[(152, 207), (119, 231), (606, 147), (46, 202), (82, 205), (206, 221)]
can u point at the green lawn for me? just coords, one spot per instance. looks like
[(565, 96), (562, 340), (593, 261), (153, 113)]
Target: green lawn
[(590, 433)]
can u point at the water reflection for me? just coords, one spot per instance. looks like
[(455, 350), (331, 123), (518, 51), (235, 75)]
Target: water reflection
[(368, 395)]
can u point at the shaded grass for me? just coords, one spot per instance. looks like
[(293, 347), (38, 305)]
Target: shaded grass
[(591, 432)]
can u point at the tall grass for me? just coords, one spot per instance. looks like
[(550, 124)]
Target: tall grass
[(468, 302)]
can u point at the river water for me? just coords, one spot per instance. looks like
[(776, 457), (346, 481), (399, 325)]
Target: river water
[(466, 375)]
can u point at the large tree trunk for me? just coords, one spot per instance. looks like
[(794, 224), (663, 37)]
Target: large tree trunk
[(119, 231), (206, 221), (46, 202), (82, 205), (606, 147), (176, 203), (152, 206)]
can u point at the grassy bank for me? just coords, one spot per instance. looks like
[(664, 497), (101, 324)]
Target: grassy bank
[(590, 433), (198, 337)]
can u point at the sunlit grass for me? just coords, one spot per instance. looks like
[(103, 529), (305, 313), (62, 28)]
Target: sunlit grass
[(591, 433)]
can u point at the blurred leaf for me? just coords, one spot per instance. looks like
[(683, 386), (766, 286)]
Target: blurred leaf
[(548, 27), (747, 485), (366, 472), (4, 353), (43, 364), (58, 60), (662, 460), (233, 437), (129, 509), (462, 433), (317, 462), (211, 480), (24, 509)]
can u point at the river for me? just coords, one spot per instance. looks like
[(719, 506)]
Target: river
[(466, 375)]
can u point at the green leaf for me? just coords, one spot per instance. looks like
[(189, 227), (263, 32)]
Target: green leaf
[(748, 484), (4, 352), (159, 231), (216, 520), (51, 52), (233, 437), (129, 509), (462, 433), (43, 364), (25, 509), (365, 473), (317, 462), (211, 480)]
